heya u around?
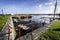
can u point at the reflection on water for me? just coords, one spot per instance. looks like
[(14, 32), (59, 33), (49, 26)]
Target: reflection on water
[(37, 18)]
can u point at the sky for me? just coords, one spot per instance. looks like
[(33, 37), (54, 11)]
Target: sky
[(28, 6)]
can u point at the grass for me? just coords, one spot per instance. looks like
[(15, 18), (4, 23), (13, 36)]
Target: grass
[(53, 33), (3, 20)]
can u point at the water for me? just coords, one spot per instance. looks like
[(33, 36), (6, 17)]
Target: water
[(38, 18)]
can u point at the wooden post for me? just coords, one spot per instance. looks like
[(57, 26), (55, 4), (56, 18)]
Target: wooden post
[(19, 33), (33, 23), (32, 31)]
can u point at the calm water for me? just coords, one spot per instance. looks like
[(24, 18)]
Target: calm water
[(38, 17)]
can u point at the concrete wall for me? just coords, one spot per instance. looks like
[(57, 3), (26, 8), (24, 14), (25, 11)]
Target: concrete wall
[(4, 31)]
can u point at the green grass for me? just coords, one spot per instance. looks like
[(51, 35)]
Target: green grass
[(52, 33), (3, 20)]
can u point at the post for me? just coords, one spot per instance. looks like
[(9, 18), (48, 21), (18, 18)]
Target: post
[(2, 11), (19, 33), (55, 10), (32, 31), (31, 35), (19, 30)]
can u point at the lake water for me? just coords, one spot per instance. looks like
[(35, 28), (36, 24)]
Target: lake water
[(37, 18)]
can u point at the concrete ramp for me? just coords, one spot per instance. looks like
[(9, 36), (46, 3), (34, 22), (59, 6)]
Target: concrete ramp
[(5, 31)]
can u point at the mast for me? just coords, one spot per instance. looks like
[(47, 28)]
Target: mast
[(55, 10), (2, 11)]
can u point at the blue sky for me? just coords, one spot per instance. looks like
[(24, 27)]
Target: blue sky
[(28, 6)]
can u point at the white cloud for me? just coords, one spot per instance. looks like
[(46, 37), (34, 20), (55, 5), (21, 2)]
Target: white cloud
[(46, 8), (58, 9), (49, 9), (40, 6), (50, 3)]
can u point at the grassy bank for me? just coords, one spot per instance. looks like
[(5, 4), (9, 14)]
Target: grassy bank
[(3, 20), (53, 33)]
